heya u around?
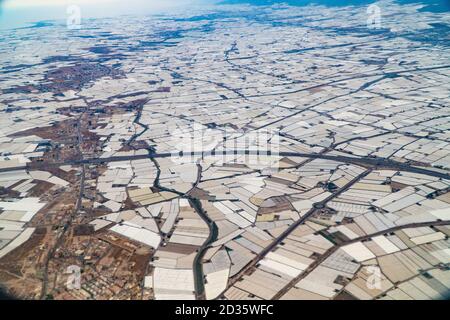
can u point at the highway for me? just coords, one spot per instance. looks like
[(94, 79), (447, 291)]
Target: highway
[(380, 163), (368, 162)]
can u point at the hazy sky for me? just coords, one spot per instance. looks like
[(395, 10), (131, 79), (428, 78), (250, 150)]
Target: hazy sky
[(16, 13), (19, 13), (55, 3)]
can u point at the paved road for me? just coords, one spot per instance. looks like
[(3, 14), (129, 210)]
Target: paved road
[(293, 226), (68, 224), (213, 233), (365, 161), (333, 249), (362, 161)]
